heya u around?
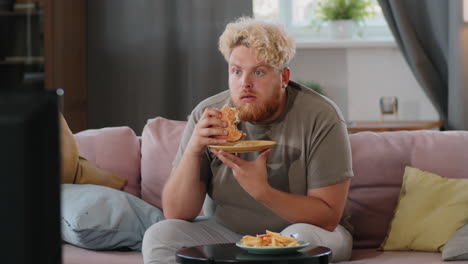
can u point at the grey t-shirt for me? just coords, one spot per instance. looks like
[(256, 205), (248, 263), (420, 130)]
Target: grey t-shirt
[(312, 151)]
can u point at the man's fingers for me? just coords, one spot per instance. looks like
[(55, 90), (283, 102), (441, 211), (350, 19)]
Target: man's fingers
[(215, 141), (210, 131), (211, 112), (214, 151), (233, 157), (226, 158), (263, 155), (211, 122), (211, 117), (233, 161)]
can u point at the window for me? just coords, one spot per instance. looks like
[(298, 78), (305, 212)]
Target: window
[(298, 17)]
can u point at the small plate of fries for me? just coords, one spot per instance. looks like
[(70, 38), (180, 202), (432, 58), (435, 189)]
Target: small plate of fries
[(271, 243)]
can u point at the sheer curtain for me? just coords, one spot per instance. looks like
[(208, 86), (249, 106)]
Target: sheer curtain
[(152, 58)]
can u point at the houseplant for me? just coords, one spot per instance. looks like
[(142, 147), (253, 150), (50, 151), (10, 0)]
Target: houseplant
[(342, 15), (313, 85)]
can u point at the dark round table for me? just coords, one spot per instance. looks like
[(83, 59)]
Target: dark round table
[(230, 253)]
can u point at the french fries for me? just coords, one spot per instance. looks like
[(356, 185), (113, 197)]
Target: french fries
[(270, 239)]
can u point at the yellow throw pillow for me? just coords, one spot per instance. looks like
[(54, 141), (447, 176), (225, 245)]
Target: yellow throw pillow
[(75, 169), (87, 173), (431, 208), (68, 152)]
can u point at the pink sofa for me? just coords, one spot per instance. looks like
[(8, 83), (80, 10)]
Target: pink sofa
[(379, 160)]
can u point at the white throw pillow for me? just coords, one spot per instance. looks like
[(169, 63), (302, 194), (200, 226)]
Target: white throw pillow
[(457, 246), (101, 218)]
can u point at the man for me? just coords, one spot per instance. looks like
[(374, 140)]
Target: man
[(298, 187)]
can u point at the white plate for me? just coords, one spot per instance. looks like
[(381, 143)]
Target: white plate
[(244, 146), (273, 250)]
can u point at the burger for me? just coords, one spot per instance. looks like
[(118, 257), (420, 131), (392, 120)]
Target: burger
[(231, 116)]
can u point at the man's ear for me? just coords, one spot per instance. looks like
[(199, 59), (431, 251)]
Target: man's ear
[(285, 75)]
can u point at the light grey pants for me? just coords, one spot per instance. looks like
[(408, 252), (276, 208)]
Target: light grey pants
[(164, 238)]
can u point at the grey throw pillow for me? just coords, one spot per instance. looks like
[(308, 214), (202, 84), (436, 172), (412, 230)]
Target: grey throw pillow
[(457, 246), (101, 218)]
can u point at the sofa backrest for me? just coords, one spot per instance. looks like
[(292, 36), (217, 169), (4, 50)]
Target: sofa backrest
[(379, 160), (159, 143), (145, 162)]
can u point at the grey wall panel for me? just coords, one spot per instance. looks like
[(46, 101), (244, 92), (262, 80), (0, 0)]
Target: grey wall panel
[(150, 58)]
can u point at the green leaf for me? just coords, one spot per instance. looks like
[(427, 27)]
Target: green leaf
[(356, 10), (312, 85)]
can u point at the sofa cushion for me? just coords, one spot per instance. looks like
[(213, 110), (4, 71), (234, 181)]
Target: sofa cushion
[(373, 256), (456, 248), (115, 150), (379, 160), (160, 141), (101, 218), (431, 208)]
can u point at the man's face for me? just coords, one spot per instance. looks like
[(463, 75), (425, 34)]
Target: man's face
[(256, 89)]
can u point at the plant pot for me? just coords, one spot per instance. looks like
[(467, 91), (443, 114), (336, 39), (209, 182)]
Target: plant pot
[(341, 29)]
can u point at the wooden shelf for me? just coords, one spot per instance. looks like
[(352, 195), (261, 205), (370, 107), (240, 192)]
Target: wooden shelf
[(377, 126), (22, 60), (63, 58), (21, 13)]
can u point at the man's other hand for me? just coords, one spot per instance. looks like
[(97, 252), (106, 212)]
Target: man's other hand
[(251, 175)]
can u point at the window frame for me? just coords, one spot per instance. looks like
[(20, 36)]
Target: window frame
[(305, 34)]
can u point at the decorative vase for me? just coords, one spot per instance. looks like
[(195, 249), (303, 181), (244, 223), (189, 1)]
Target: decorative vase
[(388, 106), (341, 29)]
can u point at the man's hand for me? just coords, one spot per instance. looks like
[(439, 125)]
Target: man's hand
[(322, 207), (251, 175), (204, 131)]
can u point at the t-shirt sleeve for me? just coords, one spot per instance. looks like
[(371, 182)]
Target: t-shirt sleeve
[(184, 140), (205, 171), (329, 158)]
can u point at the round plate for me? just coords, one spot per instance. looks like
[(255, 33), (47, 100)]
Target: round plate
[(273, 250), (244, 146)]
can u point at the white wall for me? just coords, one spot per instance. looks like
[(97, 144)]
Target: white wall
[(355, 78), (328, 68)]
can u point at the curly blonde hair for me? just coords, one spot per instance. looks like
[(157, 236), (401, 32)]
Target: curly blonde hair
[(271, 42)]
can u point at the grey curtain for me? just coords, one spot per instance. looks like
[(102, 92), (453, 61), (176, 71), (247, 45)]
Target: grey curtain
[(421, 30), (434, 39), (151, 58)]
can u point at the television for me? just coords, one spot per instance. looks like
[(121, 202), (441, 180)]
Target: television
[(29, 167)]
